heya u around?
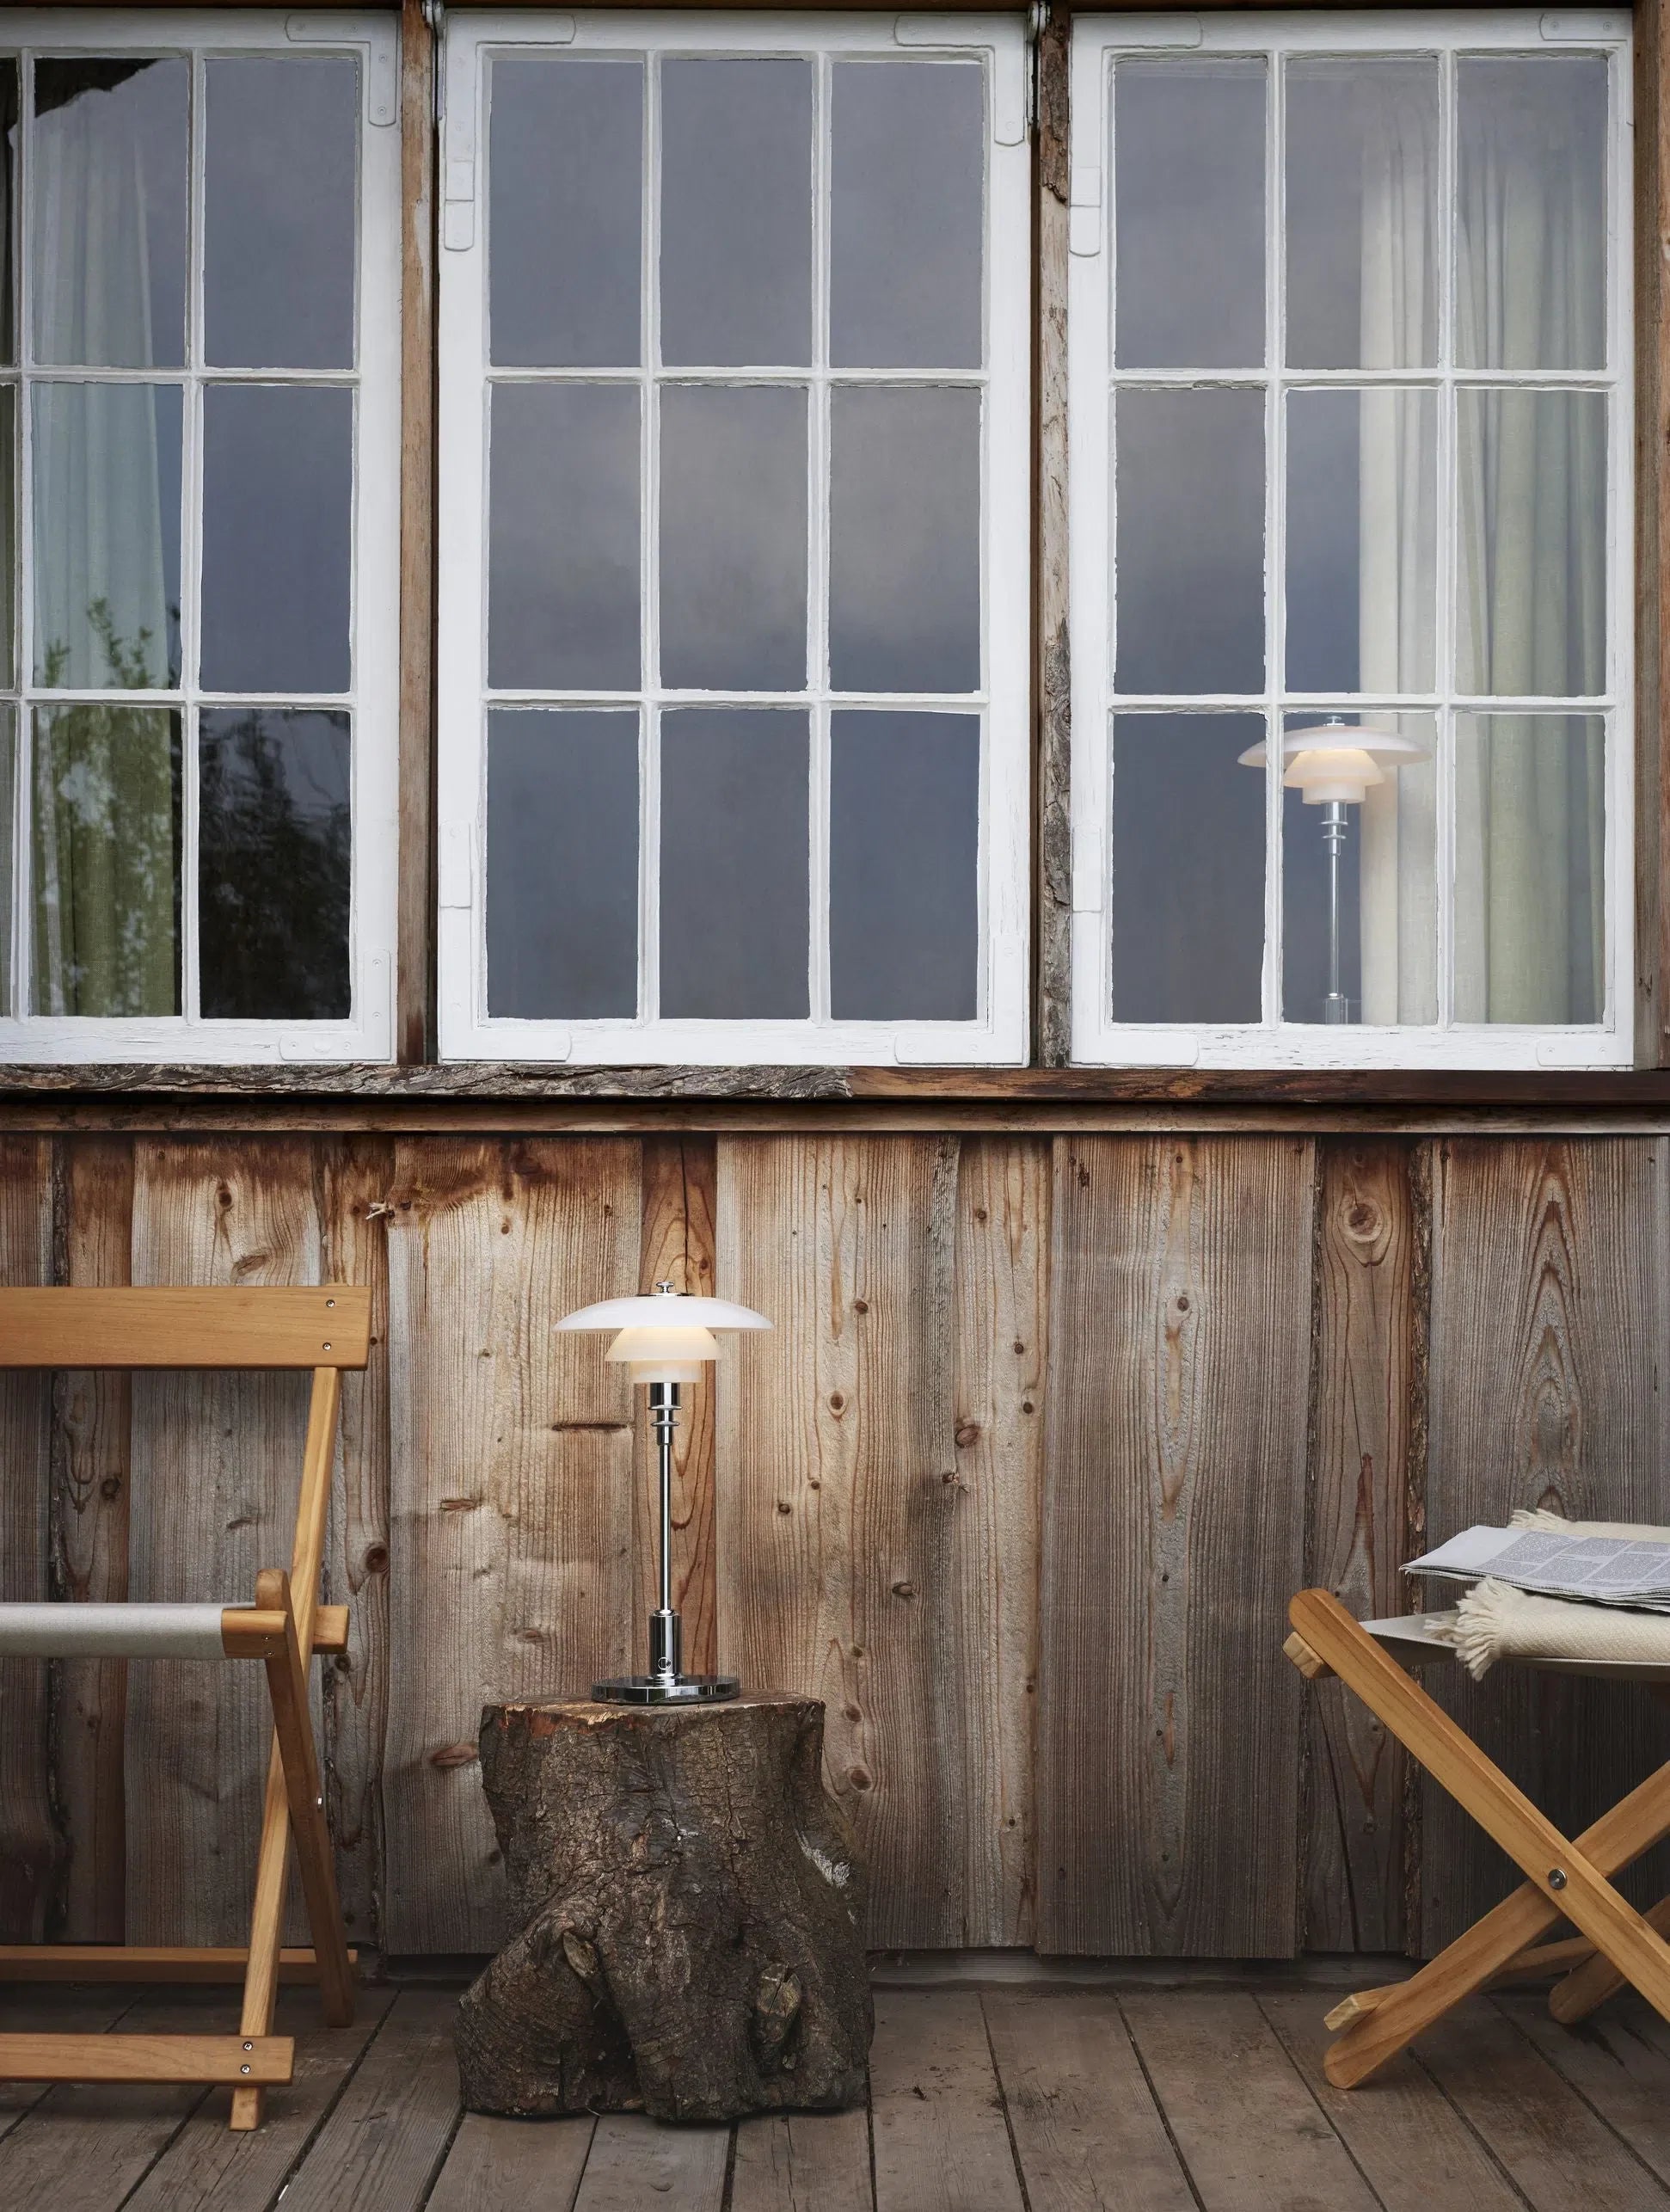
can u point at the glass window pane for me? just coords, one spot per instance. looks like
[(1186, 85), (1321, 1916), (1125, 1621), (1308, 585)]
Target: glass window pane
[(106, 860), (563, 864), (905, 540), (1187, 861), (907, 214), (904, 867), (1364, 166), (733, 538), (1531, 212), (1380, 773), (1530, 559), (1188, 213), (563, 555), (106, 532), (9, 113), (277, 502), (108, 189), (274, 847), (1362, 540), (281, 153), (734, 866), (1530, 834), (565, 200), (736, 213), (8, 534), (1189, 508)]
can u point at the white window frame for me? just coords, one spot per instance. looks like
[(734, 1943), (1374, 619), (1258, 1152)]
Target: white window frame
[(998, 1034), (1097, 1038), (372, 701)]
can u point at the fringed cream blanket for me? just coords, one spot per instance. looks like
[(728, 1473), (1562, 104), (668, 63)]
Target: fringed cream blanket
[(1496, 1621)]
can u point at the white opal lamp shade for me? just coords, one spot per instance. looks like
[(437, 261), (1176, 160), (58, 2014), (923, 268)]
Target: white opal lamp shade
[(1337, 763)]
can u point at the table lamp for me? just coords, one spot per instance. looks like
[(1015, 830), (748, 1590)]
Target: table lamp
[(1336, 765), (665, 1340)]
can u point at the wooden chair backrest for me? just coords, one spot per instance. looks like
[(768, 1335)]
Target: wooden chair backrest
[(323, 1325)]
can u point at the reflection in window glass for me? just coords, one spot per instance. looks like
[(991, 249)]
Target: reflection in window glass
[(111, 162), (565, 197), (562, 594), (907, 210), (9, 114), (1366, 786), (281, 149), (1531, 560), (104, 860), (1362, 540), (105, 535), (277, 508), (1531, 201), (733, 549), (1364, 145), (905, 539), (563, 864), (1188, 213), (736, 213), (8, 536), (7, 803), (1189, 503), (904, 867), (1188, 869), (734, 866), (1531, 829), (274, 858)]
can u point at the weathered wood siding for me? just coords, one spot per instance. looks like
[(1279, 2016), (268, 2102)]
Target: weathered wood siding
[(1047, 1433)]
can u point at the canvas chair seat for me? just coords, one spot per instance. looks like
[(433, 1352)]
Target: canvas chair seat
[(1566, 1878), (323, 1330)]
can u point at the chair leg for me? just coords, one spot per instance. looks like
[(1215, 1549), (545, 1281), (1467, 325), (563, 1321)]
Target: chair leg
[(1564, 1879), (292, 1798)]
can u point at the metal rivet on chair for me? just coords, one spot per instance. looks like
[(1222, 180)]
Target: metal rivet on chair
[(1556, 1879)]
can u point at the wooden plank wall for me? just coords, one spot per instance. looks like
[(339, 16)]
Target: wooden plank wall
[(1047, 1432)]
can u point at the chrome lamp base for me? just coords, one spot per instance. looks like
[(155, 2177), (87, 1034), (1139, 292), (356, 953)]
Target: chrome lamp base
[(665, 1684)]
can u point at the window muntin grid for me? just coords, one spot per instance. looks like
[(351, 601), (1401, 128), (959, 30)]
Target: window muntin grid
[(363, 704), (1097, 380), (994, 693)]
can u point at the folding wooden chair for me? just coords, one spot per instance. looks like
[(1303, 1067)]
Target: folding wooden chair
[(1565, 1880), (325, 1330)]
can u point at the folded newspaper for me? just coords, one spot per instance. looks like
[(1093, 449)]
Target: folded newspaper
[(1611, 1570)]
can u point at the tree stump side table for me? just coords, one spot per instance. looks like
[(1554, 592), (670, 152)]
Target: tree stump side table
[(690, 1905)]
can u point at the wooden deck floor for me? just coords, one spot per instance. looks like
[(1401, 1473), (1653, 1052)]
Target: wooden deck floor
[(1146, 2099)]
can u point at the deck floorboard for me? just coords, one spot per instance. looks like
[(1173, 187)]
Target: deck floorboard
[(1126, 2097)]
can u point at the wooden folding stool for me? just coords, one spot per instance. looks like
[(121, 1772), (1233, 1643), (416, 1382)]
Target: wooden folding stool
[(326, 1329), (1566, 1880)]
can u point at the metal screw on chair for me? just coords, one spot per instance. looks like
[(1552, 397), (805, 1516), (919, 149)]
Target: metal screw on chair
[(1556, 1879), (244, 2069), (249, 2046)]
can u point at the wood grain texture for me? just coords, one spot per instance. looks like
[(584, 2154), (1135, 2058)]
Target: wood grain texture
[(1416, 2153), (1088, 2134), (677, 1247), (936, 2108), (1368, 1436), (1053, 872), (881, 1450), (1249, 2131), (414, 960), (1553, 2148), (383, 2142), (1169, 1722), (92, 1415), (803, 2162), (1652, 527), (1549, 1309), (217, 1473), (1619, 2064), (512, 2166), (28, 1840), (355, 1177), (511, 1507), (634, 2162)]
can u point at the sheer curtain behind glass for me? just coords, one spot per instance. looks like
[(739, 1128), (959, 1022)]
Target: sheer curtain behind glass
[(108, 264)]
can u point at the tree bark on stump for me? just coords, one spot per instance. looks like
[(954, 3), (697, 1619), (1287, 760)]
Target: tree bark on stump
[(691, 1910)]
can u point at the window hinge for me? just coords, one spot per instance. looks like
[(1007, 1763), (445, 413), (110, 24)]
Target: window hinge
[(1037, 24), (434, 17), (1084, 215)]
